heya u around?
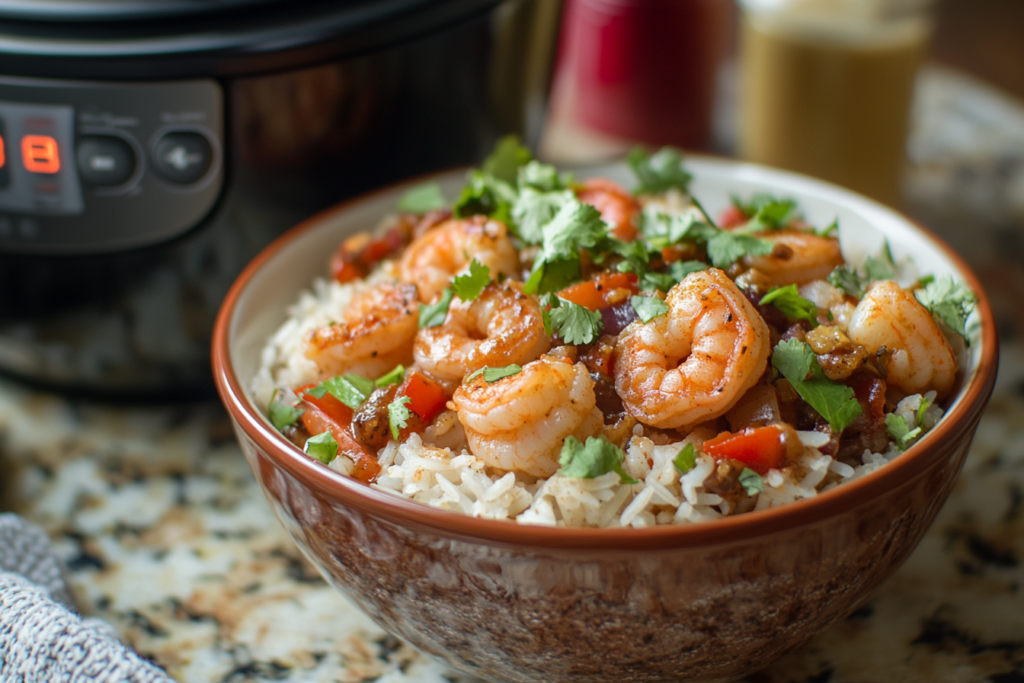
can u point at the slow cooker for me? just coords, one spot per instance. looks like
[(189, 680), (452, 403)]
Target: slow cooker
[(150, 148)]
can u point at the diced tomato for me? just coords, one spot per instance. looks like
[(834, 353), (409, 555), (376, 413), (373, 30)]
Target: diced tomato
[(760, 448), (327, 413), (428, 398), (732, 217), (617, 206), (358, 254), (599, 293)]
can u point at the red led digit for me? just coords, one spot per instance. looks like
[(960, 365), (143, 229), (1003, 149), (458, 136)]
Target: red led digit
[(3, 159), (39, 154)]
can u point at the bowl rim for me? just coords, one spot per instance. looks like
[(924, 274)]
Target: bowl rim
[(955, 425)]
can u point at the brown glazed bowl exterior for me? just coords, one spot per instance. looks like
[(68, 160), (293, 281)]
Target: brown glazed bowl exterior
[(502, 601)]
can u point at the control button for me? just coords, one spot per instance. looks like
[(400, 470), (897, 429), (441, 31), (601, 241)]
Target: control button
[(105, 161), (183, 158)]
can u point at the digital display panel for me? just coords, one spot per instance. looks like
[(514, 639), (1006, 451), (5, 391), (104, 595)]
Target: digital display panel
[(37, 175)]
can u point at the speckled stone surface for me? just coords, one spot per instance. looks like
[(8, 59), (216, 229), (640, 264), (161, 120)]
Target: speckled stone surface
[(168, 537)]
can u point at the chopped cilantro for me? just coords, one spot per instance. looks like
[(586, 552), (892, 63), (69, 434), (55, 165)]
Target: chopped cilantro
[(398, 415), (680, 269), (283, 411), (422, 198), (322, 447), (751, 481), (351, 390), (660, 171), (506, 159), (469, 285), (648, 307), (599, 456), (486, 195), (576, 226), (949, 301), (574, 324), (534, 208), (662, 281), (922, 409), (881, 267), (726, 248), (543, 177), (788, 300), (766, 211), (834, 402), (900, 432), (432, 315), (686, 459), (831, 230), (635, 255), (493, 374), (393, 377), (848, 280)]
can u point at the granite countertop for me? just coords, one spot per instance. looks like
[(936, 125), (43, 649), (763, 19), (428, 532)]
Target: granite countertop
[(167, 536)]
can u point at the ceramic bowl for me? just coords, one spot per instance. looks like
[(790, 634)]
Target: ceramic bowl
[(502, 601)]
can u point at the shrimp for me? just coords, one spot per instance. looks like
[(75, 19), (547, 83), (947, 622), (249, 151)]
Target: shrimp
[(889, 316), (798, 258), (617, 206), (695, 362), (377, 334), (502, 326), (432, 259), (519, 423)]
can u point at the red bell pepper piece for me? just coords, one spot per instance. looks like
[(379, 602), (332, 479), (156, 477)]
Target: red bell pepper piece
[(428, 398), (327, 413), (594, 294), (760, 448)]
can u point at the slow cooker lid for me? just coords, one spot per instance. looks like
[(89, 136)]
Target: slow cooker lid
[(156, 39)]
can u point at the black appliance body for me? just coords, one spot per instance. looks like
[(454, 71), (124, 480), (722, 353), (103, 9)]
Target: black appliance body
[(150, 148)]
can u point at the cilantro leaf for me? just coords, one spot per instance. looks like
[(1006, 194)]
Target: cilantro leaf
[(506, 159), (680, 269), (660, 171), (322, 447), (422, 198), (726, 248), (636, 256), (881, 267), (573, 323), (834, 402), (351, 390), (543, 177), (660, 281), (832, 229), (533, 209), (492, 375), (686, 459), (599, 456), (485, 195), (398, 415), (848, 280), (393, 377), (900, 431), (469, 285), (922, 409), (949, 301), (751, 481), (788, 300), (576, 226), (766, 211), (283, 411), (648, 307), (432, 315)]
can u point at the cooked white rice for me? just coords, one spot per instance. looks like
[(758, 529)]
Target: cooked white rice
[(460, 482)]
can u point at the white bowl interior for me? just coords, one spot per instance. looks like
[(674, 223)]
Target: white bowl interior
[(864, 225)]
